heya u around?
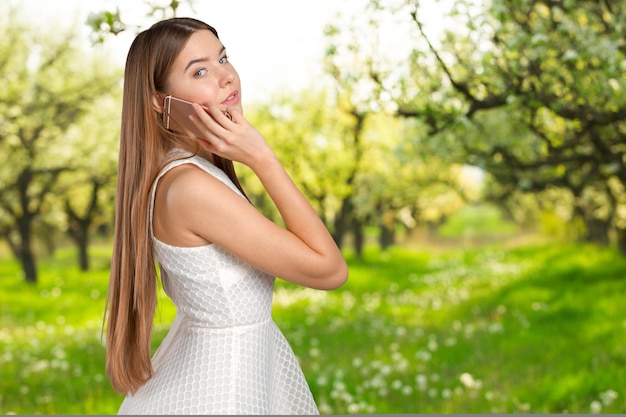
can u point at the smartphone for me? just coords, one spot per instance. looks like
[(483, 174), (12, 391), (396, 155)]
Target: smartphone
[(177, 113)]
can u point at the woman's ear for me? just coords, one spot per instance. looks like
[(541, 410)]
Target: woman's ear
[(157, 103)]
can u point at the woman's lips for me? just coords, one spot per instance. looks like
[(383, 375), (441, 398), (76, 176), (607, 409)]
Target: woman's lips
[(233, 98)]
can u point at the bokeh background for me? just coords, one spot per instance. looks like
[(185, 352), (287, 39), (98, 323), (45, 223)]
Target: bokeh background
[(467, 155)]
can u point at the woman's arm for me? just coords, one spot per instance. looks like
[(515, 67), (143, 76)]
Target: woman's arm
[(302, 252)]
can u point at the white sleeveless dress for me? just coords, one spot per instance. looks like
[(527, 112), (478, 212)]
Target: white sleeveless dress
[(223, 353)]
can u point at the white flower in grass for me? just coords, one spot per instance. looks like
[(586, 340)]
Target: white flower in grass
[(421, 381), (325, 408), (339, 386), (396, 384), (403, 365), (58, 352), (40, 366), (347, 398), (495, 328), (423, 355), (376, 364), (538, 305), (450, 341), (469, 381), (364, 407), (595, 407), (378, 382), (433, 345), (607, 397), (385, 370), (44, 399)]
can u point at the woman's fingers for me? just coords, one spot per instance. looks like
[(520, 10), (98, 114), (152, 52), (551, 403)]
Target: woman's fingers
[(230, 137), (219, 116)]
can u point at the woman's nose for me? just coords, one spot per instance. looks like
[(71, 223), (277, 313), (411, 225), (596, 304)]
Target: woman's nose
[(226, 76)]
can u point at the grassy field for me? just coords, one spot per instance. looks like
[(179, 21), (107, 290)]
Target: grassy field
[(533, 329)]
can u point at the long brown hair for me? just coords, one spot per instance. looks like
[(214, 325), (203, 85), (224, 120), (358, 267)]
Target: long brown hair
[(144, 145)]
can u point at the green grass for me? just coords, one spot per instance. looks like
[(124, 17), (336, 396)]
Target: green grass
[(477, 221), (536, 329)]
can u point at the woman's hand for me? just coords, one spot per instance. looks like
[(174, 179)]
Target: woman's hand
[(234, 139), (303, 252)]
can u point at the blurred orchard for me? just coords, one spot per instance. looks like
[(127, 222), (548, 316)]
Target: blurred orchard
[(518, 105)]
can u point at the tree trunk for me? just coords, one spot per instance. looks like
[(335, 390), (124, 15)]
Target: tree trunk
[(343, 221), (359, 238), (25, 251), (621, 241), (387, 236), (597, 230), (83, 255), (27, 260), (79, 226)]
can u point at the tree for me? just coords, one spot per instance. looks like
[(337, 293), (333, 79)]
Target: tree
[(395, 178), (87, 193), (48, 84), (306, 132), (557, 68), (108, 23), (530, 91)]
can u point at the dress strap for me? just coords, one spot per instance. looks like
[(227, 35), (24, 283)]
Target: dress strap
[(186, 157)]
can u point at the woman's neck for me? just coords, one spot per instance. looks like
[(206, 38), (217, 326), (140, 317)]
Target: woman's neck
[(199, 150)]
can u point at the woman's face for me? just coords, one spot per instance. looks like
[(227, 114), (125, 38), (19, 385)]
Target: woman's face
[(202, 73)]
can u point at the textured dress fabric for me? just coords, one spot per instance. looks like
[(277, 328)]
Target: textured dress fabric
[(223, 353)]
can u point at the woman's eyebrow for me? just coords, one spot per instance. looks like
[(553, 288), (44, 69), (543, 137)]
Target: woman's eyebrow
[(195, 61), (203, 59)]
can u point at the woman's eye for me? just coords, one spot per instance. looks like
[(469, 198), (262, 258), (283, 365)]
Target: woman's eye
[(200, 73), (224, 59)]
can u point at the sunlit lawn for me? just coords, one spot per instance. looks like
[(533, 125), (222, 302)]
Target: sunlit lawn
[(537, 329)]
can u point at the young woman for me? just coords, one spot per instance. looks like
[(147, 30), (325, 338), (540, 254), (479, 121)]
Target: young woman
[(179, 203)]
